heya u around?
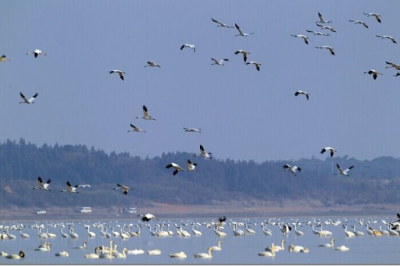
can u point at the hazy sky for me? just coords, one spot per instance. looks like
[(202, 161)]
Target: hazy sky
[(244, 114)]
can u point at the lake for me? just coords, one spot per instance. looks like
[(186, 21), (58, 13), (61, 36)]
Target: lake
[(367, 249)]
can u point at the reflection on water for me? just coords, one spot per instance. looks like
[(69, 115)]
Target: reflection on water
[(235, 248)]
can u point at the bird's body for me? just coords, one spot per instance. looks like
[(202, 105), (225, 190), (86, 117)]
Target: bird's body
[(267, 253), (135, 129), (73, 189), (387, 37), (344, 172), (36, 53), (119, 72), (373, 72), (3, 58), (152, 64), (377, 16), (192, 129), (187, 45), (176, 167), (28, 101), (241, 33), (328, 245), (342, 248), (305, 38), (217, 248), (244, 53), (62, 254), (204, 255), (393, 65), (302, 93), (154, 252), (42, 185), (292, 169), (359, 22), (331, 50), (330, 149), (256, 64), (18, 256), (124, 188), (191, 166), (326, 27), (294, 248), (322, 20), (147, 217), (219, 62), (318, 33), (203, 153), (179, 255), (223, 25), (146, 115)]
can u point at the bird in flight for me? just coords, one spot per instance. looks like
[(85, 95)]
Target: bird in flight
[(203, 153), (176, 167), (73, 189), (36, 53), (146, 115), (152, 64), (191, 166), (124, 188), (359, 22), (191, 46), (256, 64), (192, 129), (244, 53), (373, 72), (331, 150), (326, 27), (135, 129), (305, 38), (302, 92), (147, 217), (387, 37), (344, 172), (42, 185), (331, 50), (221, 24), (219, 62), (377, 16), (318, 33), (31, 100), (241, 33), (322, 20), (393, 65), (292, 169), (120, 73)]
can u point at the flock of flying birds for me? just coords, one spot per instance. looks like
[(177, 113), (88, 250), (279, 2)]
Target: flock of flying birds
[(321, 23)]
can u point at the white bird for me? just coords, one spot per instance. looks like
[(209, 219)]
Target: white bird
[(359, 22), (204, 255), (73, 189), (135, 129), (45, 247), (94, 255), (195, 130), (62, 254), (328, 245), (348, 233), (90, 233), (318, 33), (152, 64), (373, 72), (294, 248), (241, 33), (343, 172), (331, 50), (331, 150), (23, 235), (305, 38), (146, 115), (179, 255), (268, 253), (120, 73), (218, 247), (191, 46), (322, 20), (298, 232), (324, 232), (326, 27), (285, 229), (393, 65), (221, 24), (257, 65), (36, 53), (377, 16), (31, 100), (244, 53), (303, 93), (219, 62), (43, 186), (18, 256), (276, 248), (357, 233), (154, 252), (203, 153), (292, 169), (176, 167), (135, 251), (342, 248), (386, 37), (124, 188), (147, 217), (191, 166)]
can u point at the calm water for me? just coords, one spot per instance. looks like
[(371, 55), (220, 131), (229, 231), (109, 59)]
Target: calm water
[(366, 249)]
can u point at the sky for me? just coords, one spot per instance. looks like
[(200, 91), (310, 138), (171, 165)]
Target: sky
[(244, 114)]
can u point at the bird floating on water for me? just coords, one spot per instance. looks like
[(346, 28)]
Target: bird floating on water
[(256, 64), (152, 64)]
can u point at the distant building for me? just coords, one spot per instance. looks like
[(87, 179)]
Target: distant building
[(85, 210)]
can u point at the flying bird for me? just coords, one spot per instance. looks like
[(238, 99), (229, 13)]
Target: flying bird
[(292, 169), (326, 27), (176, 167), (344, 172), (387, 37), (42, 185), (31, 100), (146, 115), (331, 50), (322, 20), (331, 150), (191, 46), (359, 22), (147, 217), (221, 24), (241, 33), (318, 33), (135, 129), (120, 73), (203, 153), (377, 16), (302, 92), (36, 53), (256, 64), (244, 53), (152, 64), (393, 65), (124, 188), (192, 129), (219, 62), (373, 72), (73, 189), (191, 166), (305, 38)]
